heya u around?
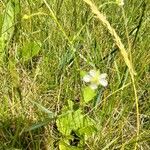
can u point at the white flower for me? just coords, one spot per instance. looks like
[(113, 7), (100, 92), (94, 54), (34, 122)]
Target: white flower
[(95, 79)]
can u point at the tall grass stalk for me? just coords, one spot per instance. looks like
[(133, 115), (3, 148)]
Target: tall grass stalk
[(124, 53)]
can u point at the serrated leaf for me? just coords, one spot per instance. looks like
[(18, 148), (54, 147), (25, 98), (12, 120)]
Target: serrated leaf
[(70, 121), (88, 129), (88, 94)]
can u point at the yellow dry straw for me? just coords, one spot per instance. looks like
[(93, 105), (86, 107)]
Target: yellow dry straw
[(112, 31)]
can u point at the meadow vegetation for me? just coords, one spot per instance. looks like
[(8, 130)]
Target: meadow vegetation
[(46, 48)]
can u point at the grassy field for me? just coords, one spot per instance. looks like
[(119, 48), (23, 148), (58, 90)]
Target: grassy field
[(46, 46)]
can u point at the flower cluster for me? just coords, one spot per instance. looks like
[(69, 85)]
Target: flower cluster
[(95, 79)]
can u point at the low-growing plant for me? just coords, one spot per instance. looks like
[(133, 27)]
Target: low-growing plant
[(75, 125)]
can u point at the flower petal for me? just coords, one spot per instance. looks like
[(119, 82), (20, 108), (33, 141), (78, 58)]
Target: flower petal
[(93, 86), (103, 82), (103, 76), (92, 73), (87, 78)]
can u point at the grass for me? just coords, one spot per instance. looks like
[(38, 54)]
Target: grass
[(67, 37)]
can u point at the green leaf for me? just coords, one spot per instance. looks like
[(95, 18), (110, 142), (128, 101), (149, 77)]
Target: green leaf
[(70, 104), (64, 146), (70, 121), (30, 50), (88, 94), (8, 22), (83, 73), (78, 119), (7, 27), (88, 129)]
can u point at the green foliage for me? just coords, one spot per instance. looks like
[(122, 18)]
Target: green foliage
[(88, 94), (74, 120), (64, 146), (7, 27), (70, 121), (30, 50), (8, 22), (82, 73)]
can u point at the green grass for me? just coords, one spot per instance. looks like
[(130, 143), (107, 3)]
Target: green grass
[(65, 37)]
